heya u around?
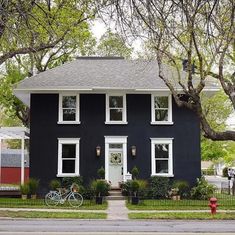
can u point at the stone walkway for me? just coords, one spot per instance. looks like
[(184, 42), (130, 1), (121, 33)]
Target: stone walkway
[(117, 210)]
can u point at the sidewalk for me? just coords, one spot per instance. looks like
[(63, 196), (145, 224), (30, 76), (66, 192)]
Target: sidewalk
[(51, 210), (117, 210)]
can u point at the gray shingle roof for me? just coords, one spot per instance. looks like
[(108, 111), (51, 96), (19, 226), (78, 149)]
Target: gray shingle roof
[(101, 73), (12, 158)]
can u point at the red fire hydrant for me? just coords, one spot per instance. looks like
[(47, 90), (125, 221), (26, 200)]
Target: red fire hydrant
[(213, 205)]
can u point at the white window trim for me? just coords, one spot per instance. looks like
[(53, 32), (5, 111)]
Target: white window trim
[(77, 121), (153, 120), (124, 118), (170, 159), (62, 141), (114, 140)]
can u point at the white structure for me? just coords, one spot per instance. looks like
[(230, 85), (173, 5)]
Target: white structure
[(20, 133)]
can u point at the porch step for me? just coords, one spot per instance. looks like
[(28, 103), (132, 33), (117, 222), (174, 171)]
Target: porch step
[(115, 194), (115, 198)]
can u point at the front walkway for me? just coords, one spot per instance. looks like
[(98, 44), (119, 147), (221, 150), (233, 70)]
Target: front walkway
[(117, 210)]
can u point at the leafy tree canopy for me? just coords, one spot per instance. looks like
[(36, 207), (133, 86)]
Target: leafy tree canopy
[(112, 44)]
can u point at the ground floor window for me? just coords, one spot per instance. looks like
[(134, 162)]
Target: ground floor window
[(162, 157), (68, 157)]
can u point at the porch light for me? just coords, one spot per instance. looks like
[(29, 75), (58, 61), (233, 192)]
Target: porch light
[(133, 151), (98, 150)]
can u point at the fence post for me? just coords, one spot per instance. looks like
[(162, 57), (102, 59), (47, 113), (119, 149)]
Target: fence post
[(233, 192), (228, 187)]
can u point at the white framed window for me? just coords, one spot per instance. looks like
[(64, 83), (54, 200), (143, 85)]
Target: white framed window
[(161, 106), (68, 157), (116, 109), (162, 157), (69, 109)]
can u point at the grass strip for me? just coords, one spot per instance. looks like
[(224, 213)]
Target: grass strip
[(55, 215), (39, 203), (157, 204), (183, 215)]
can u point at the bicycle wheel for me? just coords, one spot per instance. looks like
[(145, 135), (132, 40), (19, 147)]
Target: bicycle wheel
[(52, 199), (75, 199)]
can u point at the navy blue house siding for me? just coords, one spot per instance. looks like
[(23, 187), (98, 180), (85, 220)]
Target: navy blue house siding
[(91, 131)]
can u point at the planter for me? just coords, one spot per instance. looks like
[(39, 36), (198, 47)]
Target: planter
[(33, 196), (24, 196), (176, 197), (99, 200), (135, 200)]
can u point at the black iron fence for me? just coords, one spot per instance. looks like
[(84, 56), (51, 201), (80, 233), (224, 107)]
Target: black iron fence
[(225, 201)]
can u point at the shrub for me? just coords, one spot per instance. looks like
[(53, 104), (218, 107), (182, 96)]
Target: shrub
[(225, 172), (126, 188), (101, 172), (208, 171), (100, 187), (68, 181), (24, 189), (183, 188), (135, 172), (88, 193), (203, 190), (159, 187), (55, 184), (33, 185), (142, 187)]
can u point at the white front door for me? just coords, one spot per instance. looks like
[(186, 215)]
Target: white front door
[(115, 159), (115, 164)]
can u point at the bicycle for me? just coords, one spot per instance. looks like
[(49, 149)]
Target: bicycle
[(53, 198)]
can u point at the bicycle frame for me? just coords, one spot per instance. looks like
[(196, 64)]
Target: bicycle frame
[(63, 198)]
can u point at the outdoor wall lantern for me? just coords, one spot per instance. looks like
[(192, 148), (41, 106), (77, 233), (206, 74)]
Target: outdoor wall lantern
[(133, 151), (98, 150)]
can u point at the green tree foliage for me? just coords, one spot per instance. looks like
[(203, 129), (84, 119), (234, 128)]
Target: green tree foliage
[(63, 25), (32, 25), (112, 44), (217, 109)]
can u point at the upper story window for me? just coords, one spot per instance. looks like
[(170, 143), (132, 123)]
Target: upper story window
[(162, 158), (68, 157), (116, 109), (68, 109), (161, 109)]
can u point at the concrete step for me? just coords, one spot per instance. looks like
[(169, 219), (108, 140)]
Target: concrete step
[(115, 198), (115, 193)]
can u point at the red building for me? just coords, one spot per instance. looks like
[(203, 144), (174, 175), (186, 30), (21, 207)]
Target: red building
[(11, 169)]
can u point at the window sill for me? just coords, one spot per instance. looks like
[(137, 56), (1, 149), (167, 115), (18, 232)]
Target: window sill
[(162, 123), (163, 175), (68, 122), (67, 175), (116, 123)]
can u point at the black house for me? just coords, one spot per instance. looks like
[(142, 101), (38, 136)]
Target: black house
[(108, 112)]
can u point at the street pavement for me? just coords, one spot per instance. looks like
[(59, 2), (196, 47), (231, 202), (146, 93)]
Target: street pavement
[(58, 226)]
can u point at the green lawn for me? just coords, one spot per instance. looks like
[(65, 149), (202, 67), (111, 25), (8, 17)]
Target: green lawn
[(39, 203), (158, 204), (58, 215), (182, 215)]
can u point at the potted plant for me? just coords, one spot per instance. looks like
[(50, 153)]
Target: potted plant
[(24, 189), (135, 172), (175, 194), (134, 187), (183, 188), (100, 188), (33, 186), (101, 172)]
